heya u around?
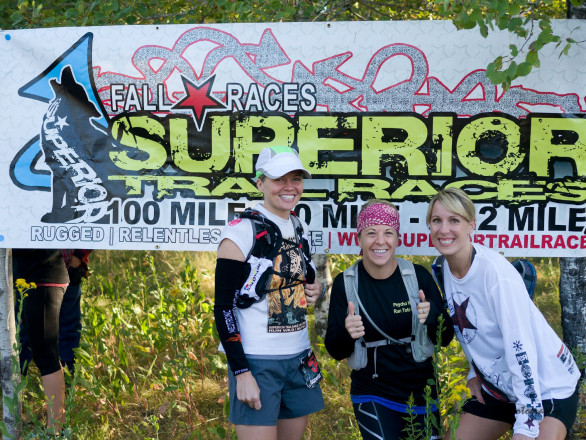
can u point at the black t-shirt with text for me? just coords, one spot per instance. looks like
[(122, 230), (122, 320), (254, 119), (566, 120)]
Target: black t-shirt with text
[(388, 305)]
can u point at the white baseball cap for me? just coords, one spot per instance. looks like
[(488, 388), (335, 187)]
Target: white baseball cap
[(275, 162)]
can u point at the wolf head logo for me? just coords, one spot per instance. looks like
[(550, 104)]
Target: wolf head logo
[(70, 143)]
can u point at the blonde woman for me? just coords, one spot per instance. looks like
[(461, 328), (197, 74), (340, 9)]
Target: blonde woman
[(522, 375)]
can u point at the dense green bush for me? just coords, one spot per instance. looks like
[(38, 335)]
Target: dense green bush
[(149, 368)]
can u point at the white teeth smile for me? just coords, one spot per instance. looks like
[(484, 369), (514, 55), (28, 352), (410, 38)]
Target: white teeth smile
[(446, 242), (380, 251), (287, 197)]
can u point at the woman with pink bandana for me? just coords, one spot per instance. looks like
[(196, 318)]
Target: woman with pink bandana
[(381, 390)]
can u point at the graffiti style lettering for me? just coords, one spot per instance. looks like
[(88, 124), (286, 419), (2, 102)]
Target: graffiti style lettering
[(335, 90), (554, 138), (156, 142), (143, 136), (387, 156)]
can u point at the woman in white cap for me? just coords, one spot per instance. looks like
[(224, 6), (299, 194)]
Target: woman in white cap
[(264, 282), (390, 310), (522, 376)]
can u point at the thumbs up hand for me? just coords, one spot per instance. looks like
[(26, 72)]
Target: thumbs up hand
[(423, 308), (353, 323)]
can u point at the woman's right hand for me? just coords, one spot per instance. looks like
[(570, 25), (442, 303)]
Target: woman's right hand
[(353, 323), (247, 390), (475, 388)]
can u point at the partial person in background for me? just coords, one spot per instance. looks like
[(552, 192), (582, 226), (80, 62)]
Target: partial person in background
[(264, 282), (77, 261), (40, 321), (403, 301), (522, 376)]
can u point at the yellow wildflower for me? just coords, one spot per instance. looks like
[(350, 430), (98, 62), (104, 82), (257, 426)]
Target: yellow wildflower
[(23, 286)]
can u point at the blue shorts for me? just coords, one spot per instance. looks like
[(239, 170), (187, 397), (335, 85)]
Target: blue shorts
[(283, 393)]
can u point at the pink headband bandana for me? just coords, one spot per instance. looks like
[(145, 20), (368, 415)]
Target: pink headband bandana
[(378, 214)]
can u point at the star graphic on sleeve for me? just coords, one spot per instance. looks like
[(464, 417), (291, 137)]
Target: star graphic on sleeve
[(61, 122), (459, 316), (199, 100), (529, 423), (518, 346)]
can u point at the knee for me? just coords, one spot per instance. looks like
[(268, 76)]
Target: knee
[(48, 366)]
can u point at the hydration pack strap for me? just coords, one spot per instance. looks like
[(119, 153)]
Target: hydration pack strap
[(403, 341)]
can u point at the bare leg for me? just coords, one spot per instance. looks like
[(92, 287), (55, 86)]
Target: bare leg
[(54, 388), (472, 427), (291, 429), (286, 429), (245, 432), (552, 429)]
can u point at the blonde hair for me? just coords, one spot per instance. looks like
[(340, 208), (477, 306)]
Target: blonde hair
[(454, 200)]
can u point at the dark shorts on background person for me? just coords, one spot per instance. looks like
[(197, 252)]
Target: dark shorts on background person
[(70, 325), (564, 410), (40, 319), (69, 330), (283, 393)]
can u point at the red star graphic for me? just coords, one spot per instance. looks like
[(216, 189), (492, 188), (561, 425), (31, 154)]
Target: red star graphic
[(198, 99), (459, 316)]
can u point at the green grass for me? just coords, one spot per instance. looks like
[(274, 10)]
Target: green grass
[(149, 367)]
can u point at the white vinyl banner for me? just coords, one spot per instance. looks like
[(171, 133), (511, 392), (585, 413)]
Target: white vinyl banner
[(145, 137)]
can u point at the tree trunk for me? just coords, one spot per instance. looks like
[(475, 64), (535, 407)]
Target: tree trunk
[(576, 11), (573, 301), (9, 377), (573, 270), (320, 309), (573, 279)]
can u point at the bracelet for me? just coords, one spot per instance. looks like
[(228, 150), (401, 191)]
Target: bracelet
[(323, 292)]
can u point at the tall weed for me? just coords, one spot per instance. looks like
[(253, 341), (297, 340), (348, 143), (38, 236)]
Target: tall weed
[(148, 366)]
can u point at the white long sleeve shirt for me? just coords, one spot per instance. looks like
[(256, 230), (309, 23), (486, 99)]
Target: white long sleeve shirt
[(507, 339)]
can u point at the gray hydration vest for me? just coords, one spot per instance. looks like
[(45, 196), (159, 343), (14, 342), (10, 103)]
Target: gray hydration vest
[(420, 345)]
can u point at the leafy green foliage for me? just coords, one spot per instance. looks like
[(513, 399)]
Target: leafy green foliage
[(529, 21), (149, 368), (22, 14)]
